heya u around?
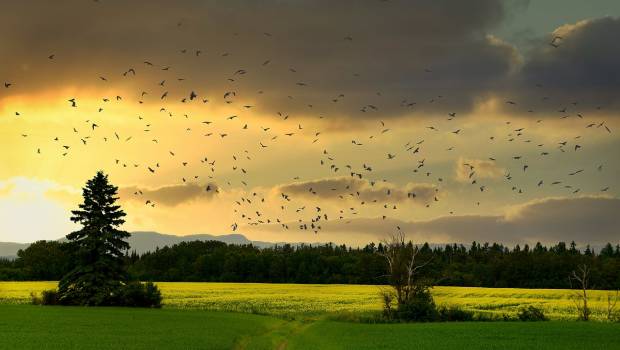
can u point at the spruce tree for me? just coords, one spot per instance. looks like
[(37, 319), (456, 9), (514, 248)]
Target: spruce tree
[(99, 273)]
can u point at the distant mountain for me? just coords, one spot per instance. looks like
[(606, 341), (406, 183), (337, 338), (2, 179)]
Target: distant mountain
[(143, 242), (9, 249)]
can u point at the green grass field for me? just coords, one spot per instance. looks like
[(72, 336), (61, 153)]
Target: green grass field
[(298, 299), (53, 327), (198, 316)]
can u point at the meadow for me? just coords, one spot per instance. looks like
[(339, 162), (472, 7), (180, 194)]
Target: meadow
[(56, 327), (293, 300), (295, 316)]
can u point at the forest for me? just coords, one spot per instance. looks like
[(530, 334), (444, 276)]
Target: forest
[(479, 265)]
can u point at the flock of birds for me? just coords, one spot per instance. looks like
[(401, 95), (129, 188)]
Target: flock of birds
[(249, 208)]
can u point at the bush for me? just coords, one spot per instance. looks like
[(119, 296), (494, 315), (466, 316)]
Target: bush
[(136, 294), (102, 293), (132, 294), (48, 297), (532, 313), (454, 314), (388, 297), (419, 307)]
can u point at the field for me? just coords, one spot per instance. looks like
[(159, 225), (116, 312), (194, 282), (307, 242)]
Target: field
[(308, 300), (289, 316), (35, 327)]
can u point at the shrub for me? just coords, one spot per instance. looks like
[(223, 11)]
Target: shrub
[(102, 293), (419, 307), (136, 294), (388, 297), (532, 313), (48, 297), (132, 294), (454, 314)]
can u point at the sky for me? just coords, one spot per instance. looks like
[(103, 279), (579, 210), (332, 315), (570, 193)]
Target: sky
[(315, 121)]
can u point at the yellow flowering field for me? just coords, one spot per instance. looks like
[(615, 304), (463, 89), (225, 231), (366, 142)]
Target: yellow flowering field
[(291, 299)]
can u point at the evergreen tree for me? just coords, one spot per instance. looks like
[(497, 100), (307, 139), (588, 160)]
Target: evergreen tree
[(99, 272)]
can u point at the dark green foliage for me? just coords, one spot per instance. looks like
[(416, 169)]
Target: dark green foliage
[(97, 249), (136, 294), (132, 294), (454, 314), (48, 297), (532, 313), (388, 298), (418, 307), (480, 265), (41, 261), (45, 260), (487, 265)]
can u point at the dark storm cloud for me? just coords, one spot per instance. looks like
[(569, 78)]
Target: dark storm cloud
[(389, 45), (359, 189), (172, 195), (583, 68), (386, 54), (583, 219)]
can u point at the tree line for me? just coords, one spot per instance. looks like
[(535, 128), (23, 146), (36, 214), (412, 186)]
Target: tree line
[(478, 265)]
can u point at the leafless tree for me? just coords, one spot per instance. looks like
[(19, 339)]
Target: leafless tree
[(404, 266), (581, 277)]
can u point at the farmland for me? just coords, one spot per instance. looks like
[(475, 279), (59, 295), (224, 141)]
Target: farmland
[(294, 316), (53, 327), (293, 300)]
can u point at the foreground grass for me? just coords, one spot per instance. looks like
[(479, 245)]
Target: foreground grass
[(49, 327), (298, 299), (469, 335), (56, 327)]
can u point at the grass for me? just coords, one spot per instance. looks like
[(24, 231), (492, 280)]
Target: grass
[(470, 335), (296, 299), (56, 327), (49, 327)]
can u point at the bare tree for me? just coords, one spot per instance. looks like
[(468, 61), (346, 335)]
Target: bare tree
[(581, 277), (612, 301), (403, 266)]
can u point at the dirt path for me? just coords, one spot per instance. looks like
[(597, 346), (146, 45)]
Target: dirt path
[(276, 337)]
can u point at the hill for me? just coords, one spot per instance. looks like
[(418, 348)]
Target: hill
[(145, 241)]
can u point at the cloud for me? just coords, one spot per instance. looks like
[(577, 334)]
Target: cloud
[(6, 189), (586, 220), (411, 51), (395, 55), (469, 169), (171, 195), (360, 189), (582, 69), (28, 212)]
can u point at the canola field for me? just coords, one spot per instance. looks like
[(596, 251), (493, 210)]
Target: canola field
[(313, 299)]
